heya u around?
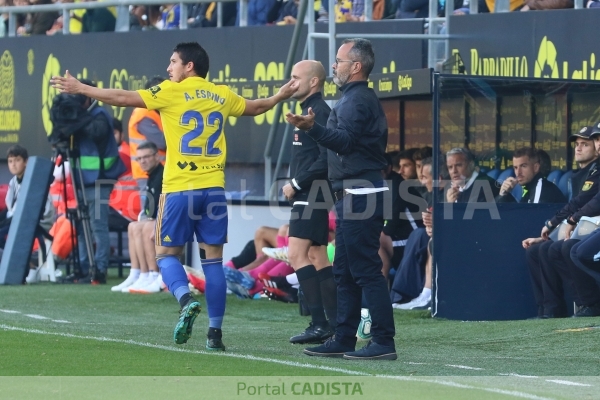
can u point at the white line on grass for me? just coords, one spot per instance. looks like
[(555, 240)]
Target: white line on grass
[(464, 367), (276, 361), (35, 316), (463, 386), (10, 311), (567, 382), (520, 376)]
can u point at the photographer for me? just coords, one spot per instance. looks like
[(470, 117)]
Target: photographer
[(97, 158)]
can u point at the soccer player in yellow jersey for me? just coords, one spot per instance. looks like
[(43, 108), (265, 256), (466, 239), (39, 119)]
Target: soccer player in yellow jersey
[(193, 113)]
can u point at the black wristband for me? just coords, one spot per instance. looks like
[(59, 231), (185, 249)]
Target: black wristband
[(571, 222), (549, 225)]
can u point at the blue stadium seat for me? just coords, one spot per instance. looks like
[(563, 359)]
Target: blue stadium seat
[(493, 173), (564, 184), (509, 172), (554, 176)]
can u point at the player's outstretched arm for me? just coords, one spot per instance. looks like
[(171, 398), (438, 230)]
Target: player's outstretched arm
[(115, 97), (259, 106)]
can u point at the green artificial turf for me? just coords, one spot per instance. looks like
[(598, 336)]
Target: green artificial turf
[(116, 334)]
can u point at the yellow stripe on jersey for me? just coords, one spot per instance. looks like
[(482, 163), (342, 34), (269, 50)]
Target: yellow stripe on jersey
[(193, 114)]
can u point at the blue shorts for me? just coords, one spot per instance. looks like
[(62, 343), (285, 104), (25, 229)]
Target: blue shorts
[(181, 214)]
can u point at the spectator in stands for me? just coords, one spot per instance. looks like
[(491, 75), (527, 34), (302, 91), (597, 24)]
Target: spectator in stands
[(143, 275), (170, 16), (546, 280), (467, 185), (140, 17), (123, 145), (288, 12), (98, 20), (258, 11), (536, 188), (205, 15), (546, 4), (145, 125), (406, 204), (39, 22), (420, 8)]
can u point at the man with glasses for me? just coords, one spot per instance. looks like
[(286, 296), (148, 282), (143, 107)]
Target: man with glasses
[(143, 275), (356, 138)]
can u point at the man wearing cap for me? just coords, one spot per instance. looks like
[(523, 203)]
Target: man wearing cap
[(548, 266), (535, 188)]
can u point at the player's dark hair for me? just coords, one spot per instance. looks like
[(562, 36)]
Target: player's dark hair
[(17, 151), (193, 52)]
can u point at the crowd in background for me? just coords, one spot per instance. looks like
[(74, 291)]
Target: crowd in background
[(260, 12)]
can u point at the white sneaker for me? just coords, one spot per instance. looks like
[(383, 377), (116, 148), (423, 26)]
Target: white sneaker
[(154, 286), (33, 276), (125, 284), (418, 303), (278, 253), (140, 283)]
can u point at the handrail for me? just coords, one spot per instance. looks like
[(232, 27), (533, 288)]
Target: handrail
[(65, 8)]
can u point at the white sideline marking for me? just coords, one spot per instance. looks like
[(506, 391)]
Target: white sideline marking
[(464, 367), (567, 382), (35, 316), (61, 321), (275, 361), (520, 376), (463, 386), (10, 311)]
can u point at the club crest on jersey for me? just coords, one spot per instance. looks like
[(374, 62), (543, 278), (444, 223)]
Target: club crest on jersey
[(587, 186)]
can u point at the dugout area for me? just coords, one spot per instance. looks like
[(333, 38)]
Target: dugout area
[(480, 270)]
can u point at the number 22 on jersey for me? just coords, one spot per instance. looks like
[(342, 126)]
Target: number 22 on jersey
[(196, 122)]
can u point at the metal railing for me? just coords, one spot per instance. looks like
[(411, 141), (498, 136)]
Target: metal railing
[(122, 24)]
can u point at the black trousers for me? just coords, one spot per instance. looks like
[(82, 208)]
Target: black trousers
[(537, 257), (588, 271), (357, 269)]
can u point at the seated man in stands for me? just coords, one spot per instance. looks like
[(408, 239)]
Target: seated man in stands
[(467, 185), (536, 188), (143, 275)]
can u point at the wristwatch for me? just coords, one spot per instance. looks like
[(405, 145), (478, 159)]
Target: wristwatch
[(571, 222), (548, 225)]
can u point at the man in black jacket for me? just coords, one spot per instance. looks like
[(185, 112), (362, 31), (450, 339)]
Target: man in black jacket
[(310, 196), (549, 262), (536, 188), (356, 136)]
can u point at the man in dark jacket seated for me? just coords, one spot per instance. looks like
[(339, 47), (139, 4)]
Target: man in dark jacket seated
[(536, 188)]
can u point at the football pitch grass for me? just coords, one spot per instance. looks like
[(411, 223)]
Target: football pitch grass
[(77, 341)]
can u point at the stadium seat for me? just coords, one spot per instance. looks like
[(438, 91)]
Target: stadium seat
[(564, 184), (493, 173), (509, 172), (554, 176)]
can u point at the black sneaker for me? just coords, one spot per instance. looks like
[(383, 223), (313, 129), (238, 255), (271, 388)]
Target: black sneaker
[(73, 278), (99, 278), (331, 348), (313, 334), (214, 342), (588, 311), (372, 351)]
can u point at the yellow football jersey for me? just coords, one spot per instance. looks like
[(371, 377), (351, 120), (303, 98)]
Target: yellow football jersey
[(193, 114)]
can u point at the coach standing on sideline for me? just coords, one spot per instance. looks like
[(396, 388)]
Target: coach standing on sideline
[(356, 136)]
